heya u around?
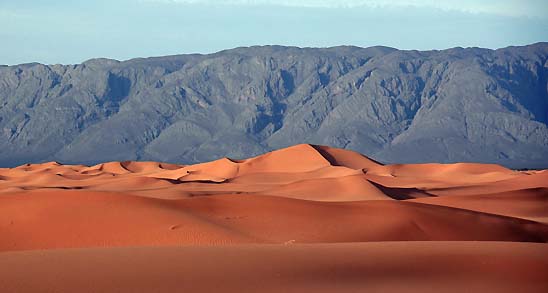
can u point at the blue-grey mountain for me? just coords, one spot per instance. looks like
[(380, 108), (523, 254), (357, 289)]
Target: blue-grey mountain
[(395, 106)]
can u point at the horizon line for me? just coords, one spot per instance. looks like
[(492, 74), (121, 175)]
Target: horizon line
[(272, 45)]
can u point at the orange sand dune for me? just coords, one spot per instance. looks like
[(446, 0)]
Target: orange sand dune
[(346, 188), (260, 211), (529, 204), (59, 219), (356, 267)]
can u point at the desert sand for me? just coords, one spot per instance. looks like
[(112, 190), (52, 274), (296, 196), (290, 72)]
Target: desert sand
[(302, 219)]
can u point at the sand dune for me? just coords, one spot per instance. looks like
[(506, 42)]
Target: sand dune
[(68, 219), (266, 208), (357, 267), (346, 188), (530, 203)]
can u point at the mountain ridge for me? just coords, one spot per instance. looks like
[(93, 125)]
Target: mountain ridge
[(280, 46), (459, 104)]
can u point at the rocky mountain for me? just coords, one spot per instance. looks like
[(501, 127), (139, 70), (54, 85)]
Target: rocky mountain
[(395, 106)]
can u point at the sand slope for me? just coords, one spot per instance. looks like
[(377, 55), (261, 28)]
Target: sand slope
[(357, 267), (61, 219), (242, 223)]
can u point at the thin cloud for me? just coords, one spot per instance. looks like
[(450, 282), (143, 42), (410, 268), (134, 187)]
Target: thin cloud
[(527, 8)]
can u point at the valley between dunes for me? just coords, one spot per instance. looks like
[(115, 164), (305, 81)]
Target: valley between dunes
[(302, 219)]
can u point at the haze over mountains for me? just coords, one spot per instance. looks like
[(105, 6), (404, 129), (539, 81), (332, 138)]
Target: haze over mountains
[(395, 106)]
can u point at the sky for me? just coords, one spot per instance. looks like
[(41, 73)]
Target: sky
[(72, 31)]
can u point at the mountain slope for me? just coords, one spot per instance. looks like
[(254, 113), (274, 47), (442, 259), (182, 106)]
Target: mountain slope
[(396, 106)]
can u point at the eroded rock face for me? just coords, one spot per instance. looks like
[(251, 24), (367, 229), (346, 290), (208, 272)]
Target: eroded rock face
[(395, 106)]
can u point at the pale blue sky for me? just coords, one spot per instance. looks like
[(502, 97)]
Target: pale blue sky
[(63, 31)]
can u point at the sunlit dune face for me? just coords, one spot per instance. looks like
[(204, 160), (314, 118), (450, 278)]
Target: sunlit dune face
[(314, 195), (302, 194)]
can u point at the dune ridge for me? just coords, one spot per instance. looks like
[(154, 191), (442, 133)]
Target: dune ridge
[(328, 200)]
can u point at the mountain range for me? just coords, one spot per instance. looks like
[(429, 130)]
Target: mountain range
[(460, 104)]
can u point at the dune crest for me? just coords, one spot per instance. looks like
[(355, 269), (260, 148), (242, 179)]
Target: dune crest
[(289, 206)]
